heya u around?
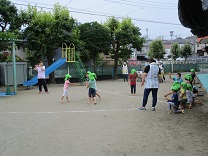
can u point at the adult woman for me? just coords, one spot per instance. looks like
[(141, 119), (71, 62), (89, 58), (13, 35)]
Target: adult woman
[(41, 77)]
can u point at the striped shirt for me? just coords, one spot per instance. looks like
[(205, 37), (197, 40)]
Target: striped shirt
[(151, 80)]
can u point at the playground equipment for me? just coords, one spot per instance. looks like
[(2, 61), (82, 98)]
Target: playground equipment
[(48, 70), (8, 92), (69, 56), (74, 60)]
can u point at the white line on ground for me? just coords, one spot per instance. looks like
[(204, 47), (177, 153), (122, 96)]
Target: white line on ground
[(126, 95), (59, 112)]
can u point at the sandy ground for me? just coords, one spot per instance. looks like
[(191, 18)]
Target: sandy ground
[(39, 125)]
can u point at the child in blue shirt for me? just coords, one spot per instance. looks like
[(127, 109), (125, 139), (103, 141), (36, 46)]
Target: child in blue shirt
[(173, 101)]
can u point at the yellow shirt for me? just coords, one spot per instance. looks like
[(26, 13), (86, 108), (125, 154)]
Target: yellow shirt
[(183, 94)]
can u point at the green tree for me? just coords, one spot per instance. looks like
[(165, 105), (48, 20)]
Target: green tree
[(10, 23), (175, 50), (156, 49), (125, 35), (186, 51), (46, 31), (96, 40), (10, 20)]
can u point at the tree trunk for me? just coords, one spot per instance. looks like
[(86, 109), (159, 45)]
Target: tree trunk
[(50, 62), (115, 76), (94, 62)]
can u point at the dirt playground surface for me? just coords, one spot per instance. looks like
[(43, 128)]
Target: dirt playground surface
[(40, 125)]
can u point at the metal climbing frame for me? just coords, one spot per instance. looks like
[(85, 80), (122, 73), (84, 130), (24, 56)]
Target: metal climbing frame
[(68, 52)]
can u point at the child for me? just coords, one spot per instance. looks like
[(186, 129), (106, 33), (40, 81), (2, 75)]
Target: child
[(65, 88), (193, 75), (132, 81), (92, 87), (189, 95), (95, 84), (173, 101), (183, 99), (178, 78)]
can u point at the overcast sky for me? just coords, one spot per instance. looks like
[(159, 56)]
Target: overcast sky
[(159, 17)]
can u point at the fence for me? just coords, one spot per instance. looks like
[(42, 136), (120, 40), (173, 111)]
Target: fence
[(106, 70)]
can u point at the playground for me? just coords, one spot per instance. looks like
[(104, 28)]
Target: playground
[(39, 124)]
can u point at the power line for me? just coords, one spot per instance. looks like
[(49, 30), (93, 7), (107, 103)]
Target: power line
[(140, 4), (104, 15), (145, 1), (69, 2)]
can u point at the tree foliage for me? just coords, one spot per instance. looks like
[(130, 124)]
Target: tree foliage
[(9, 17), (156, 49), (186, 50), (46, 31), (175, 50), (96, 40), (10, 23), (125, 35)]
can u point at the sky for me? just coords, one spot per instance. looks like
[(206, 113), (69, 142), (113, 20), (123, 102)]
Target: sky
[(155, 18)]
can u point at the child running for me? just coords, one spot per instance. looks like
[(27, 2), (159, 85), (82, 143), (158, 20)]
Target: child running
[(132, 81), (65, 88), (173, 101)]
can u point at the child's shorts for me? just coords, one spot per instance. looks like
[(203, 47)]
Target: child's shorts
[(92, 92), (65, 93)]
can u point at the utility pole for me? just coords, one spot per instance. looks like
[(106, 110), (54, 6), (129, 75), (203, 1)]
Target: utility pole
[(14, 67), (171, 34), (147, 39), (194, 49)]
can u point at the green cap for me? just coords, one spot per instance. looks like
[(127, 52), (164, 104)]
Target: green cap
[(92, 76), (67, 76), (183, 85), (88, 72), (192, 70), (175, 88), (177, 84), (189, 87), (133, 71), (188, 77)]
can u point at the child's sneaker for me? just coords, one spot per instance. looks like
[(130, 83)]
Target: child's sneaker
[(47, 92), (141, 108), (153, 108), (40, 92)]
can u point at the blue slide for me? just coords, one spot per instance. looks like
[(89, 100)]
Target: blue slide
[(48, 70)]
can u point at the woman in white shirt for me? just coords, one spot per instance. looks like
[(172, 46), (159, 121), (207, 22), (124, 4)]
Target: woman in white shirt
[(41, 77)]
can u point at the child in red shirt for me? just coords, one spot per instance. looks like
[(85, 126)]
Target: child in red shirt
[(132, 81)]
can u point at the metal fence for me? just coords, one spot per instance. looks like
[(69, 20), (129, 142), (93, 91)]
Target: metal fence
[(104, 69)]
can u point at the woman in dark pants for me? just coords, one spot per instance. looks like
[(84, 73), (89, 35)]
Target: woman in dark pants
[(150, 77), (41, 77)]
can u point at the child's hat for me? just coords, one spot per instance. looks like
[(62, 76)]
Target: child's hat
[(183, 85), (189, 87), (188, 77), (133, 71), (67, 76), (175, 88), (192, 70), (92, 76), (177, 84), (88, 72)]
